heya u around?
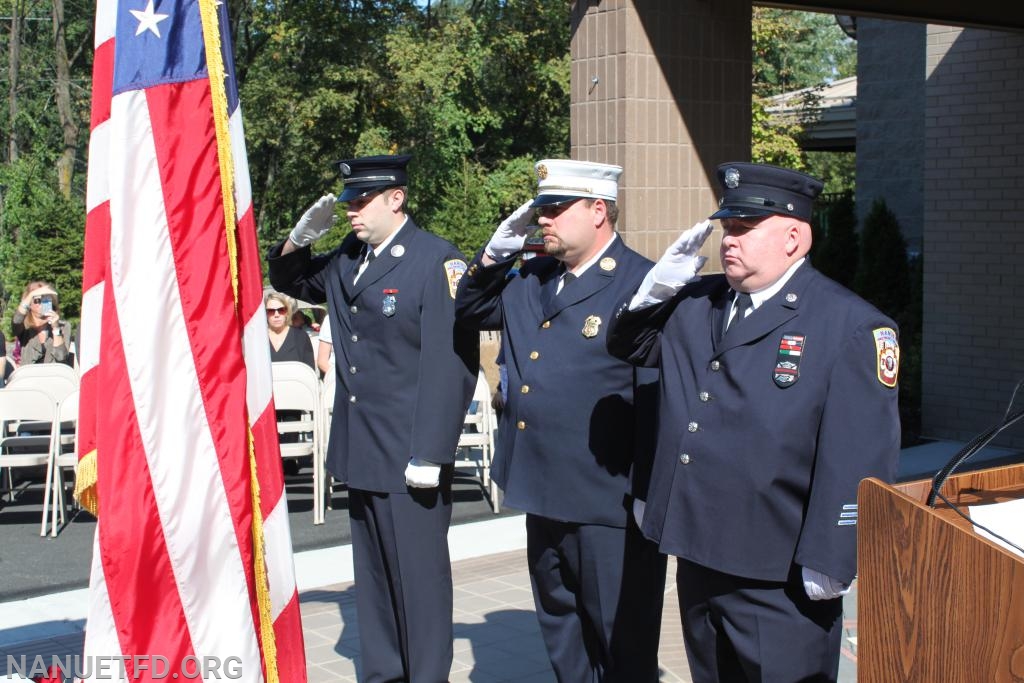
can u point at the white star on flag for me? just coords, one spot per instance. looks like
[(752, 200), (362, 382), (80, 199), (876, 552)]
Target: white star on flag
[(148, 20)]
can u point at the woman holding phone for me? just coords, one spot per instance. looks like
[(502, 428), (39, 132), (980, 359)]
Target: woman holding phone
[(37, 325)]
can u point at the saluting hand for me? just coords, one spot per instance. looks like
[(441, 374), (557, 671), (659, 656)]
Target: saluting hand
[(315, 222), (680, 262), (678, 265), (510, 236)]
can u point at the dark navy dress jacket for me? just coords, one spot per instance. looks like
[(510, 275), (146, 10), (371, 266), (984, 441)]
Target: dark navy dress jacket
[(405, 371), (766, 432), (569, 432)]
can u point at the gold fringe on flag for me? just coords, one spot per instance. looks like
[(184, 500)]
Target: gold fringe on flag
[(86, 476), (215, 65)]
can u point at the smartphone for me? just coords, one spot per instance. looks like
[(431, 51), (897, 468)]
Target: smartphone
[(46, 306)]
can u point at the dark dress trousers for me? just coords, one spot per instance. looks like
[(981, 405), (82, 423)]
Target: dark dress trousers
[(405, 376), (765, 432), (569, 436)]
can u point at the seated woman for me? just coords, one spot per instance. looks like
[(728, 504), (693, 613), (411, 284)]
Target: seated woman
[(37, 326), (286, 342)]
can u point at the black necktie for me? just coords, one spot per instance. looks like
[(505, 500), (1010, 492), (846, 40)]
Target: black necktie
[(740, 305), (567, 280), (364, 264)]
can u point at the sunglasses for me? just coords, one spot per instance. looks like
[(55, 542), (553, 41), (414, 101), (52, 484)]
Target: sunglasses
[(41, 299), (276, 311), (555, 210)]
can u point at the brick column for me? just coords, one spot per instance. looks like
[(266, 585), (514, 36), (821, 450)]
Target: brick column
[(662, 88)]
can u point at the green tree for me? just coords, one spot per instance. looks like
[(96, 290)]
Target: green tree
[(883, 274), (42, 235), (796, 51), (835, 247)]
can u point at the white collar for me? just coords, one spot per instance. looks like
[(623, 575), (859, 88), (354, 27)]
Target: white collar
[(390, 238), (759, 297), (579, 270)]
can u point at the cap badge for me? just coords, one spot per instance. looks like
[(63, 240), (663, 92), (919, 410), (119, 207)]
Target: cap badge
[(789, 206), (346, 170), (591, 326), (732, 178), (397, 251), (607, 263), (542, 171), (787, 363)]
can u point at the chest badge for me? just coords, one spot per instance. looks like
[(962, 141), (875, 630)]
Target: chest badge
[(389, 305), (787, 363), (591, 326)]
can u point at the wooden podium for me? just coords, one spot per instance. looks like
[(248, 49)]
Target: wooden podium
[(936, 602)]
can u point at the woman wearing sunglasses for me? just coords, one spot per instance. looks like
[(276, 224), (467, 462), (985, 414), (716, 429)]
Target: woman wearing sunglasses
[(38, 328), (286, 342)]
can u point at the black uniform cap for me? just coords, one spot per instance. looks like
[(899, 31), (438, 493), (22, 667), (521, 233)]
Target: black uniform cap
[(750, 190), (368, 174)]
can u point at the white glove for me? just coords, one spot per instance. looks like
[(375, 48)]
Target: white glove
[(638, 511), (510, 236), (818, 586), (315, 223), (420, 474), (677, 266)]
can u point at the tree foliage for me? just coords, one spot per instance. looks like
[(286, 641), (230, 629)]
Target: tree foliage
[(470, 89), (793, 51)]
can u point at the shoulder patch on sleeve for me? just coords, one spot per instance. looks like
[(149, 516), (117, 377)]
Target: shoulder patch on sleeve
[(453, 270), (887, 352)]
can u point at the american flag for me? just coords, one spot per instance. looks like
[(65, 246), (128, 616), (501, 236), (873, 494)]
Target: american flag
[(192, 559)]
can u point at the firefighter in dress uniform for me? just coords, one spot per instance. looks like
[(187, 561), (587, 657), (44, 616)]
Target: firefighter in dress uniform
[(778, 396), (405, 375), (575, 423)]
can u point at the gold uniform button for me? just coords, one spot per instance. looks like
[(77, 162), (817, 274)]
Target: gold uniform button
[(705, 397), (692, 427), (684, 459), (534, 355), (354, 309), (521, 424), (525, 389), (547, 324)]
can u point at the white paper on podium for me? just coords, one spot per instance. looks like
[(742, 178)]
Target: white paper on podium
[(1005, 519)]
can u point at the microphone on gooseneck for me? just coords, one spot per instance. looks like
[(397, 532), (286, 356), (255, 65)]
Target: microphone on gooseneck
[(964, 454)]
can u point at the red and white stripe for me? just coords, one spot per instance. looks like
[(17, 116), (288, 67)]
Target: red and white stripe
[(166, 363)]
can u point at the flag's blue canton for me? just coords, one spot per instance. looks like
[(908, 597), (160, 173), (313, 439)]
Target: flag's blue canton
[(176, 55)]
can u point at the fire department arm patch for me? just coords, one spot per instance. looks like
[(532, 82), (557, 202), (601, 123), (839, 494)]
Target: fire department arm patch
[(453, 270), (887, 355)]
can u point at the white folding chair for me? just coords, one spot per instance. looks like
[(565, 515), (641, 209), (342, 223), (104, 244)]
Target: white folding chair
[(478, 436), (297, 388), (63, 455), (44, 370), (56, 379), (19, 407)]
